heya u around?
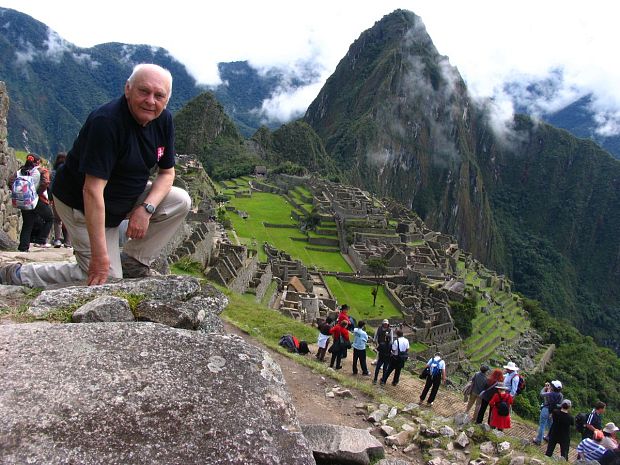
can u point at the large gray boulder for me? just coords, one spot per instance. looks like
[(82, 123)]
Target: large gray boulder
[(141, 393), (342, 445)]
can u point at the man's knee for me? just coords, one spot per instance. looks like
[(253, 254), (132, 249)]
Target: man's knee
[(181, 199)]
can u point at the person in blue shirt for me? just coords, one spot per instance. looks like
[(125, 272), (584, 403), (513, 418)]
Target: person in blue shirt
[(511, 378), (359, 348)]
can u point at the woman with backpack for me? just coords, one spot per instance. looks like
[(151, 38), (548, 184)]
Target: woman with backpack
[(29, 193), (500, 408), (340, 344)]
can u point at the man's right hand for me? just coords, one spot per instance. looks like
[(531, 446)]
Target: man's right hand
[(98, 270)]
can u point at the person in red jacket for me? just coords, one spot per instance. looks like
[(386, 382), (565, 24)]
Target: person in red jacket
[(340, 335), (500, 408)]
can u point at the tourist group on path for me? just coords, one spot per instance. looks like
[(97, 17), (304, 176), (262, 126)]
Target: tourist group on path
[(488, 389)]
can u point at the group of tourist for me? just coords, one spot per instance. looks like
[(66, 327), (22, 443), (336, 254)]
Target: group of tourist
[(496, 389), (38, 213)]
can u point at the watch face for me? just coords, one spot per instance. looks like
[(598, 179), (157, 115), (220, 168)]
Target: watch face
[(149, 208)]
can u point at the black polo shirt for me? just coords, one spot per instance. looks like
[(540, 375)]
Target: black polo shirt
[(113, 146)]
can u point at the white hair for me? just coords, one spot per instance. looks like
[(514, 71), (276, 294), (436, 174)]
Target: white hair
[(139, 68)]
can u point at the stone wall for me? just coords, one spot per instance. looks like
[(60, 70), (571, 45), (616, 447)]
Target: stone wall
[(10, 219)]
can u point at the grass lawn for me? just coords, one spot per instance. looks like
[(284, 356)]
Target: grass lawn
[(359, 299), (273, 208)]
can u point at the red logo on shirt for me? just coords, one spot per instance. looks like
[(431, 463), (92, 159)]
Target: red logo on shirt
[(160, 152)]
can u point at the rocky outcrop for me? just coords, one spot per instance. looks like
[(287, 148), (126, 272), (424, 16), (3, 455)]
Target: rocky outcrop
[(332, 444), (136, 393)]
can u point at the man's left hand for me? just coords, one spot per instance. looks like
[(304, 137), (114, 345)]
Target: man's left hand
[(139, 220)]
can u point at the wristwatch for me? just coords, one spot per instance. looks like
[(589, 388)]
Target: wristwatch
[(149, 208)]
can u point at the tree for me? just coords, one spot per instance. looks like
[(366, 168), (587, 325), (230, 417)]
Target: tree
[(378, 267)]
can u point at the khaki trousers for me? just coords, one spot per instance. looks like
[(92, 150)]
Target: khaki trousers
[(164, 223)]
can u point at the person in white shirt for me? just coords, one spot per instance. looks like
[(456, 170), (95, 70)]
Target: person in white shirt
[(436, 376), (398, 357)]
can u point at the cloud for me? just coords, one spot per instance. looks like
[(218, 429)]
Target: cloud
[(287, 104), (56, 46)]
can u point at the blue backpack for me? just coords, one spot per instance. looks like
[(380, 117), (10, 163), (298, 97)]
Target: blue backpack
[(435, 370)]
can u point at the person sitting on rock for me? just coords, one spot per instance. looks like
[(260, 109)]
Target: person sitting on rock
[(591, 448), (105, 179)]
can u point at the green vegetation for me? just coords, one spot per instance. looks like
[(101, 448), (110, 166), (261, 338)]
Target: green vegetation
[(263, 208), (359, 298), (187, 266), (463, 314), (589, 373)]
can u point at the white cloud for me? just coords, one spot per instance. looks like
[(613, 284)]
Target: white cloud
[(56, 46), (490, 42)]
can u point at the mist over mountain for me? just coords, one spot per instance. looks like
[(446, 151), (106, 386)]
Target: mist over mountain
[(530, 200), (53, 85), (574, 112)]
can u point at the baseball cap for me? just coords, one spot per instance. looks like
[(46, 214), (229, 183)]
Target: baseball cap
[(557, 384), (386, 322)]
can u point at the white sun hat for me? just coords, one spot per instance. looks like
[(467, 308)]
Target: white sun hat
[(511, 366)]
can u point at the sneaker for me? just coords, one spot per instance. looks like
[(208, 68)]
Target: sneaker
[(9, 274), (430, 404), (374, 381), (132, 268), (57, 243), (68, 246), (365, 374)]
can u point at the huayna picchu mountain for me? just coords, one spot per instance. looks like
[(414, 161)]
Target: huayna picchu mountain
[(530, 200)]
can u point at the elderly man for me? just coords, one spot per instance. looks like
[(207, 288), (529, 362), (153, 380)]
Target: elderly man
[(105, 179)]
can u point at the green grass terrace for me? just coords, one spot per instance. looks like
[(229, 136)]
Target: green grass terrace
[(268, 208)]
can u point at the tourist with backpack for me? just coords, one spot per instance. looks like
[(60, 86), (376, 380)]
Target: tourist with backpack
[(29, 194), (340, 344), (436, 375), (593, 422), (552, 398), (512, 379), (398, 356), (500, 408), (383, 343), (560, 430)]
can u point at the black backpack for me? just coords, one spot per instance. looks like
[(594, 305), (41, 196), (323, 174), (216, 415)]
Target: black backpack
[(580, 422), (503, 409)]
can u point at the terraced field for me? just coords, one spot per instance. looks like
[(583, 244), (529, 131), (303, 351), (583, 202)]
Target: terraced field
[(496, 322), (265, 208)]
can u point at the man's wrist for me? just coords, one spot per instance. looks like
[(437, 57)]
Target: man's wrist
[(150, 208)]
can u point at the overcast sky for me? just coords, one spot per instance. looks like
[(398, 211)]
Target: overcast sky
[(489, 41)]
